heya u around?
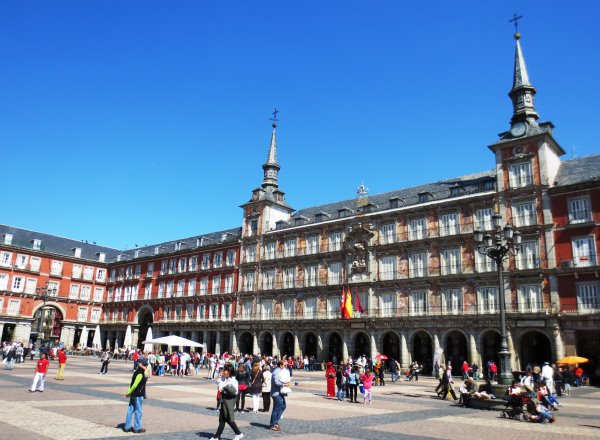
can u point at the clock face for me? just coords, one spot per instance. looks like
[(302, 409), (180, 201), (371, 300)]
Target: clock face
[(518, 129)]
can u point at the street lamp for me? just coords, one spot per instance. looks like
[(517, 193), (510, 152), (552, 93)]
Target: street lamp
[(44, 293), (498, 246)]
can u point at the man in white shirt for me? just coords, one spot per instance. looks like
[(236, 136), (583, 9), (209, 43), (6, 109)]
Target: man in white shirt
[(548, 375)]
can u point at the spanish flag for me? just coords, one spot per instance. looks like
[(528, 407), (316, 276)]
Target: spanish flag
[(347, 305)]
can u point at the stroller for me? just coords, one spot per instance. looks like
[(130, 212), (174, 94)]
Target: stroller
[(516, 408)]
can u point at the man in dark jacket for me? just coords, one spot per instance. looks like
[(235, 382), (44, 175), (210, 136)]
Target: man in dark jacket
[(136, 394)]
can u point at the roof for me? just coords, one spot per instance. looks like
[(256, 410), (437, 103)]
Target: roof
[(23, 238), (578, 170)]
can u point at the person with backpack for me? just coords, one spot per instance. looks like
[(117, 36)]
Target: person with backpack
[(352, 381)]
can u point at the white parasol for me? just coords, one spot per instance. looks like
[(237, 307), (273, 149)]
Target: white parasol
[(83, 337), (128, 338), (97, 342), (148, 347)]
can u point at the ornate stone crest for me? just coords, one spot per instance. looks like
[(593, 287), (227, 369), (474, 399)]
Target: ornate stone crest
[(357, 244)]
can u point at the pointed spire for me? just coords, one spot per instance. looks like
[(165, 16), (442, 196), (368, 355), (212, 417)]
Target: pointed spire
[(522, 91), (271, 167)]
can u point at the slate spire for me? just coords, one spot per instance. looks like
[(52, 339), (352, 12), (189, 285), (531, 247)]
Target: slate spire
[(522, 91), (271, 167)]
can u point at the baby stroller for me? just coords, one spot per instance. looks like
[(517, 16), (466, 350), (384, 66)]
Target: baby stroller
[(516, 408)]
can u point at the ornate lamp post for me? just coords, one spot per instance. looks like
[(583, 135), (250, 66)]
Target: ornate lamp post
[(44, 293), (498, 246)]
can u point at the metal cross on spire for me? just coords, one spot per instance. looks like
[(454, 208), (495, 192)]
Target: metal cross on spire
[(274, 118), (515, 20)]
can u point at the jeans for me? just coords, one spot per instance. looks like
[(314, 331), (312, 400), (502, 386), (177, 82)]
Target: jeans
[(39, 377), (353, 391), (340, 392), (104, 368), (278, 409), (135, 409), (394, 376)]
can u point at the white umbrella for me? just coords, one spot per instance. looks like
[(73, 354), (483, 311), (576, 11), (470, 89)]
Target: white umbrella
[(97, 342), (83, 337), (107, 343), (173, 341), (128, 338), (148, 347)]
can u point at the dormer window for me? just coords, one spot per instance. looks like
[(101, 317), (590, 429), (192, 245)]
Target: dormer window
[(280, 224), (37, 244), (8, 238), (299, 221), (344, 212), (396, 202), (425, 197), (456, 191), (76, 252), (488, 185), (101, 257), (321, 216), (369, 207)]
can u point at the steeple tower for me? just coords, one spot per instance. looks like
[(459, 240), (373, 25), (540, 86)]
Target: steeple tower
[(271, 167), (522, 91)]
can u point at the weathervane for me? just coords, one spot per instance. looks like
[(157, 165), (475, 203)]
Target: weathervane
[(515, 20), (274, 118)]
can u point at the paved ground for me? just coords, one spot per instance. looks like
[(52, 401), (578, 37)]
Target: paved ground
[(89, 406)]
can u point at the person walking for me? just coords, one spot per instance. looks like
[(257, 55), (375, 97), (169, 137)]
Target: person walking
[(41, 369), (340, 381), (266, 388), (353, 379), (62, 361), (367, 381), (136, 394), (105, 359), (255, 388), (228, 390), (243, 379), (278, 381)]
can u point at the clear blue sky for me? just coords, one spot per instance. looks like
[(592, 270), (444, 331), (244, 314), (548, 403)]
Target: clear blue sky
[(134, 122)]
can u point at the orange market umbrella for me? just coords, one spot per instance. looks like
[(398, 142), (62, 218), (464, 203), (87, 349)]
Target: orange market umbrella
[(572, 360)]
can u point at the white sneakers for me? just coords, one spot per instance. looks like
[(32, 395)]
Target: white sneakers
[(238, 437)]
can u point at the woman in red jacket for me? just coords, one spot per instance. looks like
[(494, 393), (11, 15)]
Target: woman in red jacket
[(330, 375)]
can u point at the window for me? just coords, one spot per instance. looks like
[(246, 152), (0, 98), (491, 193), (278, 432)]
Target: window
[(484, 263), (387, 234), (229, 283), (251, 254), (200, 312), (5, 259), (334, 274), (206, 261), (34, 264), (53, 288), (170, 289), (178, 312), (95, 317), (163, 267), (530, 298), (449, 224), (180, 287), (269, 279), (416, 229), (289, 249), (249, 281), (30, 285), (226, 311), (418, 303), (483, 219), (181, 265), (452, 301), (74, 291), (168, 313), (287, 308), (312, 245), (37, 244), (388, 304), (335, 241), (172, 265), (82, 314), (333, 307), (113, 275), (451, 264), (56, 268), (310, 308), (216, 284), (21, 261), (127, 296), (487, 298), (524, 214), (86, 293), (588, 299), (418, 264), (13, 307), (289, 276), (189, 312), (247, 310), (98, 294), (18, 284), (311, 275), (137, 271), (203, 286), (161, 289), (129, 272), (100, 275), (218, 259), (528, 256), (150, 270), (192, 287), (266, 309), (270, 250), (580, 210), (520, 175), (584, 252), (387, 268), (230, 261), (88, 273), (253, 227)]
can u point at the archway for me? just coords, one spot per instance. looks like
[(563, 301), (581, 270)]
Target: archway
[(456, 350), (391, 346), (311, 344), (246, 343), (490, 346), (335, 348), (145, 320), (46, 325), (423, 350), (362, 345), (287, 344), (535, 349), (266, 346)]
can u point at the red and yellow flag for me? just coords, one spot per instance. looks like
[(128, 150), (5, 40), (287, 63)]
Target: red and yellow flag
[(347, 310)]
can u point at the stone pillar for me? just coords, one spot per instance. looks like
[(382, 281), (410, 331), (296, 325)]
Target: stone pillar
[(514, 364), (2, 329), (404, 354), (320, 349), (297, 351), (22, 332), (473, 353), (276, 352), (374, 351), (205, 341), (344, 347), (135, 335), (234, 343), (558, 343), (436, 342), (67, 335), (218, 343), (255, 347), (570, 342)]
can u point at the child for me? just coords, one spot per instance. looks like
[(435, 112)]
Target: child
[(367, 381)]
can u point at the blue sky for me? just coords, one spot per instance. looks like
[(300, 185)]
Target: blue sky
[(138, 122)]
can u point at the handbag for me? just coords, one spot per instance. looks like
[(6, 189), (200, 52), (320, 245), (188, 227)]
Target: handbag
[(361, 388), (285, 391)]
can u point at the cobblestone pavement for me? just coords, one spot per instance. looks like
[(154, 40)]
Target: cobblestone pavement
[(90, 406)]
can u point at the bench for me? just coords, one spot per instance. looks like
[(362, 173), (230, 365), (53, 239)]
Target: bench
[(488, 404)]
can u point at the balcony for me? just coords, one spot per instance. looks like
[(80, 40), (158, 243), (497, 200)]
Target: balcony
[(581, 216), (579, 262), (523, 181), (527, 263), (522, 221)]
